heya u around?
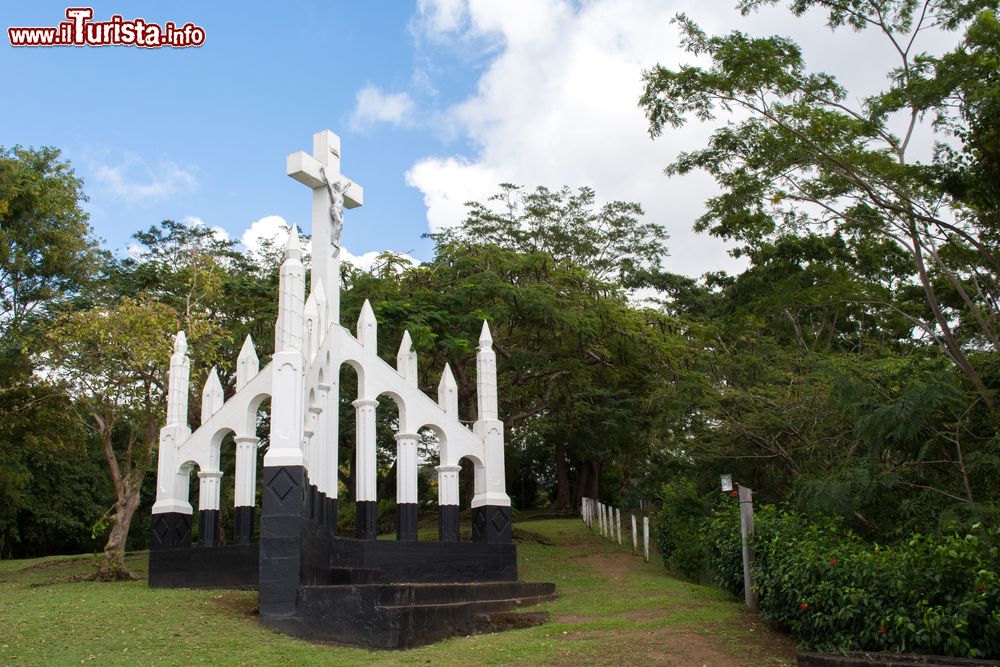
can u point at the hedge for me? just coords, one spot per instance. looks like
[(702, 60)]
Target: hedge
[(833, 591)]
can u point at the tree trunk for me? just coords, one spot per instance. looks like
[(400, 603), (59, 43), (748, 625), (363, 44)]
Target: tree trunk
[(562, 499), (112, 567)]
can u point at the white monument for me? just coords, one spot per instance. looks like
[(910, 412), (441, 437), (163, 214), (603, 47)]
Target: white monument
[(310, 345)]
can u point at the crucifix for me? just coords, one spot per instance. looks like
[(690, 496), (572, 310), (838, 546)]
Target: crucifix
[(331, 194)]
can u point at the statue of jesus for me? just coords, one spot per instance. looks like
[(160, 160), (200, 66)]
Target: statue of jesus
[(336, 190)]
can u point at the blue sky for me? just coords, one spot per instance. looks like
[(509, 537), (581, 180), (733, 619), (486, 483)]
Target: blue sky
[(436, 102)]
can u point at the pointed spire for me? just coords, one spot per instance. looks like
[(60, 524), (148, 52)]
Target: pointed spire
[(180, 343), (247, 364), (177, 382), (486, 377), (368, 327), (291, 296), (448, 392), (294, 247), (485, 338), (406, 360), (212, 396)]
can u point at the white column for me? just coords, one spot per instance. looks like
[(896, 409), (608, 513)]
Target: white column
[(448, 485), (406, 467), (635, 547), (171, 484), (331, 432), (246, 471), (319, 469), (287, 382), (208, 491), (618, 524), (364, 472)]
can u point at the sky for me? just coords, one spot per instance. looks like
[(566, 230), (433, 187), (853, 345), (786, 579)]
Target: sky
[(436, 103)]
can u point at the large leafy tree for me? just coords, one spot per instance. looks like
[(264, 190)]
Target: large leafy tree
[(799, 155), (47, 254), (576, 360)]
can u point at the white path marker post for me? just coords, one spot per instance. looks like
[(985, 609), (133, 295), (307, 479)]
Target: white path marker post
[(645, 537), (635, 547), (746, 533), (611, 523), (618, 524)]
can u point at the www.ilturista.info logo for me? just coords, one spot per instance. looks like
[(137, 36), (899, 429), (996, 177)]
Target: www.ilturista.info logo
[(80, 30)]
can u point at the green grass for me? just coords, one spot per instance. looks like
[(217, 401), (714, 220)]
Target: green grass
[(612, 609)]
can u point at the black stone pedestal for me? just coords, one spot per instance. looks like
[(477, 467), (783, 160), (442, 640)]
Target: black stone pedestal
[(208, 528), (319, 506), (448, 523), (367, 511), (491, 523), (406, 522), (330, 515), (281, 539), (171, 530), (243, 532)]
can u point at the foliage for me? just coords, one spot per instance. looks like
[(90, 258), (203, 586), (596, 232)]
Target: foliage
[(929, 594), (803, 159), (676, 527)]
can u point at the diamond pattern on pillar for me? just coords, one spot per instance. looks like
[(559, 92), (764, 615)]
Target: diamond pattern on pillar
[(282, 484), (479, 523), (160, 530), (499, 520)]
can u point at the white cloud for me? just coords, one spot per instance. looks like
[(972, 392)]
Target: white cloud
[(132, 179), (375, 106), (274, 228), (557, 103), (438, 17), (271, 228), (218, 232)]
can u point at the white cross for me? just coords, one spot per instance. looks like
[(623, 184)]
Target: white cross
[(305, 168)]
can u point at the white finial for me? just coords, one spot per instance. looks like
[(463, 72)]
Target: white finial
[(485, 338), (212, 396), (180, 343), (448, 392), (406, 359), (368, 327), (247, 364), (294, 247)]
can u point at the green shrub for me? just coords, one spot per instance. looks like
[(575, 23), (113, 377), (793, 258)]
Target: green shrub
[(835, 592), (676, 528)]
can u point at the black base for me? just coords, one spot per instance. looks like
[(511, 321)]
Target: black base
[(318, 505), (231, 566), (406, 522), (171, 530), (367, 511), (448, 523), (281, 520), (404, 615), (491, 523), (330, 515), (208, 527), (244, 519)]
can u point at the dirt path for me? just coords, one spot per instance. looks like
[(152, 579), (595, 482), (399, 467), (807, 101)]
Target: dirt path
[(648, 617)]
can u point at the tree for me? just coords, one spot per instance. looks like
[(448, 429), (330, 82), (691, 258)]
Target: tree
[(804, 158), (47, 254), (577, 360)]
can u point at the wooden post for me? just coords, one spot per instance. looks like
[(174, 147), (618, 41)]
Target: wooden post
[(746, 532), (645, 537), (618, 524), (635, 547)]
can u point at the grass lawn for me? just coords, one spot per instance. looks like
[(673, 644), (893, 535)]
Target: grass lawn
[(612, 609)]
